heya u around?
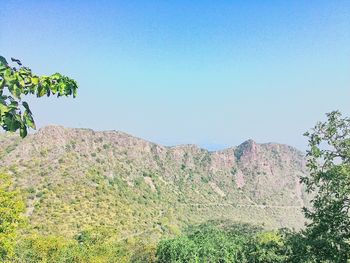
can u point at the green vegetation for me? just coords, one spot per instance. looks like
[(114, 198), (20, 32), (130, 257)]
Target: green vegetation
[(225, 242), (206, 243), (88, 247), (109, 197), (328, 233), (11, 208), (18, 81)]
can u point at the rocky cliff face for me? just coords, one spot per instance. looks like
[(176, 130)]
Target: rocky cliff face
[(77, 178)]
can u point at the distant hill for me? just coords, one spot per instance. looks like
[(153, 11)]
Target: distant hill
[(74, 179)]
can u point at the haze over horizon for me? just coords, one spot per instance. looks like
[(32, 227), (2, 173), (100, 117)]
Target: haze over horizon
[(187, 73)]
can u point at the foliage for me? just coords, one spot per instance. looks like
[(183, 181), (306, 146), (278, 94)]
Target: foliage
[(328, 233), (296, 246), (36, 248), (91, 246), (268, 246), (11, 207), (208, 243), (224, 242), (18, 81)]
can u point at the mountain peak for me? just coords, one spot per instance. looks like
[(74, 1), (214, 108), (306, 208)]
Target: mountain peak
[(249, 147), (249, 142)]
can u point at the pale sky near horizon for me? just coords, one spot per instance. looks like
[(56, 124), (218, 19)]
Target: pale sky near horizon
[(213, 73)]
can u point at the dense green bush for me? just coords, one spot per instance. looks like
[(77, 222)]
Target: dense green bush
[(267, 247), (210, 242), (222, 242)]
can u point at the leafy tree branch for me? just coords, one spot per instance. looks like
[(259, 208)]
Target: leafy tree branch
[(18, 81)]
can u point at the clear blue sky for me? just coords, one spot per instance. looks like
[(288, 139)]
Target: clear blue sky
[(213, 73)]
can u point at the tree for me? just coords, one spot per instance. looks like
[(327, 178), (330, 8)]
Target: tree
[(11, 208), (269, 246), (17, 81), (328, 233)]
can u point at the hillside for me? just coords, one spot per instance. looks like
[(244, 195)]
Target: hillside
[(75, 179)]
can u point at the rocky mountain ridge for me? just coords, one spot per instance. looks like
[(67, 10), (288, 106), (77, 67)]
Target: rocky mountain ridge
[(80, 178)]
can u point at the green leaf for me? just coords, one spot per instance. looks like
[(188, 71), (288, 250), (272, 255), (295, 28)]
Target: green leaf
[(35, 80), (75, 91), (26, 106), (3, 61), (17, 91), (2, 68), (28, 119), (41, 91), (11, 122), (23, 131), (62, 89), (13, 105), (3, 108), (54, 88)]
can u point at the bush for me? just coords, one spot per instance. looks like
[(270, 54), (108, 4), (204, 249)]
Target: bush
[(207, 243)]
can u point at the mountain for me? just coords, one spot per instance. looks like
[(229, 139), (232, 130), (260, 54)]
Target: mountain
[(75, 179)]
